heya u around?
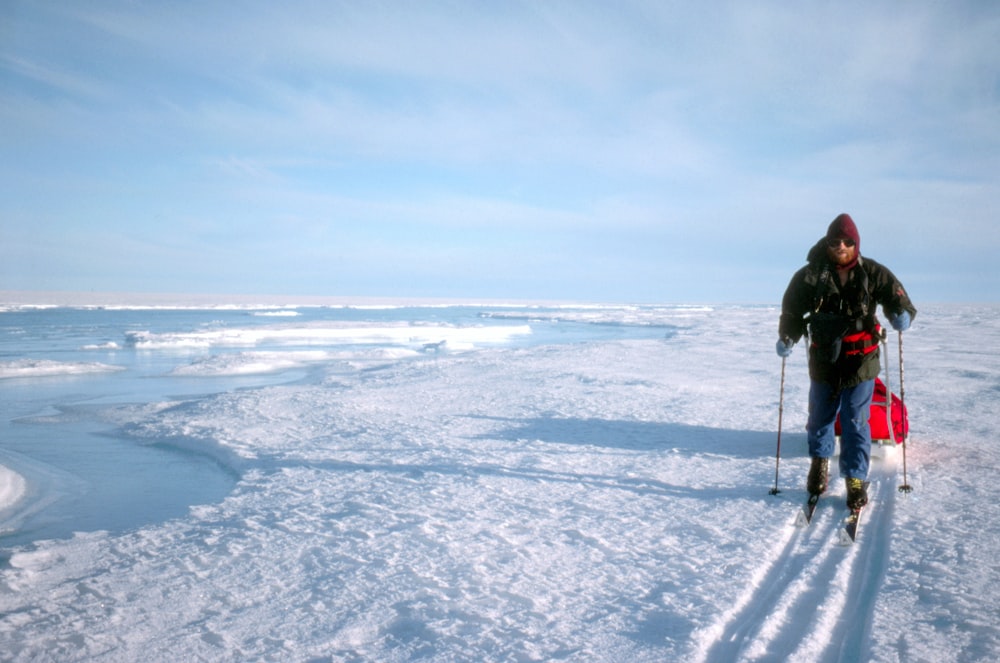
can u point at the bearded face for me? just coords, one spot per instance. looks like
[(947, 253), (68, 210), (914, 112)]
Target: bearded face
[(841, 251)]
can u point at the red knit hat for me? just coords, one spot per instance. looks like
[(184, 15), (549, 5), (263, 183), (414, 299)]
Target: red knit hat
[(843, 228)]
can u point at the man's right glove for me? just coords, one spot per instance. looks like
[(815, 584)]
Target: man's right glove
[(900, 322), (784, 347)]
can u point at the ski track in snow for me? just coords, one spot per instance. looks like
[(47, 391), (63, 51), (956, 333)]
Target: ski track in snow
[(815, 600)]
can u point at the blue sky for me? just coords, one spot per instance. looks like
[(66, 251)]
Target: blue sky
[(599, 151)]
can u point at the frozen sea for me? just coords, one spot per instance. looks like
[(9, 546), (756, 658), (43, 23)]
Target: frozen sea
[(478, 483)]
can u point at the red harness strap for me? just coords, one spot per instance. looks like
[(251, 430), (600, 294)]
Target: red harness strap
[(859, 343)]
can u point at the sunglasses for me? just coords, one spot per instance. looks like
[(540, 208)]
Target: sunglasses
[(834, 243)]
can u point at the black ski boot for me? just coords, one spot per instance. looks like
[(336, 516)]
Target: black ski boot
[(819, 473), (857, 494)]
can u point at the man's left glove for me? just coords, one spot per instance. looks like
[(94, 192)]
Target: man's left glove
[(900, 322)]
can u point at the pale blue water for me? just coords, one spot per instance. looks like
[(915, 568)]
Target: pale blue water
[(86, 477)]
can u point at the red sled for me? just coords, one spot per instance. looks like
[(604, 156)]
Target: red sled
[(878, 420)]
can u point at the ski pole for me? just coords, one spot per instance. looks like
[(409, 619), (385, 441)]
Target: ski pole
[(781, 408), (888, 390), (906, 487)]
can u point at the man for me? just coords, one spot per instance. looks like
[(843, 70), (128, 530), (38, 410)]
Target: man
[(834, 298)]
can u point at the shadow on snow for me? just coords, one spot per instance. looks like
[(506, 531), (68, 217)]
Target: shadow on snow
[(644, 436), (753, 480)]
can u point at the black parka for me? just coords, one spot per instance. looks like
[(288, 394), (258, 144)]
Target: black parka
[(816, 303)]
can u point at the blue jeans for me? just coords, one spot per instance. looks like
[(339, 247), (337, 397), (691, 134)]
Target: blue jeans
[(854, 405)]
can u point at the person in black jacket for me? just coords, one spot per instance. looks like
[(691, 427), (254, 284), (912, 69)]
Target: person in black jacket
[(833, 300)]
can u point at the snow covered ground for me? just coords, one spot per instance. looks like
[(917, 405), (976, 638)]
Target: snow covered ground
[(604, 500)]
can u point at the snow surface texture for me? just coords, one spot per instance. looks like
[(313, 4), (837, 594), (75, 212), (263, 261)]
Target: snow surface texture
[(603, 501)]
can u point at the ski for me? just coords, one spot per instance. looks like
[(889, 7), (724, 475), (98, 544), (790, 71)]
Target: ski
[(806, 514), (849, 532)]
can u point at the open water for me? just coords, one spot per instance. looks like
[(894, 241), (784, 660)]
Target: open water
[(63, 370)]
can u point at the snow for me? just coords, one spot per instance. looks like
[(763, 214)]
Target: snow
[(26, 368), (12, 489), (494, 500), (328, 333)]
